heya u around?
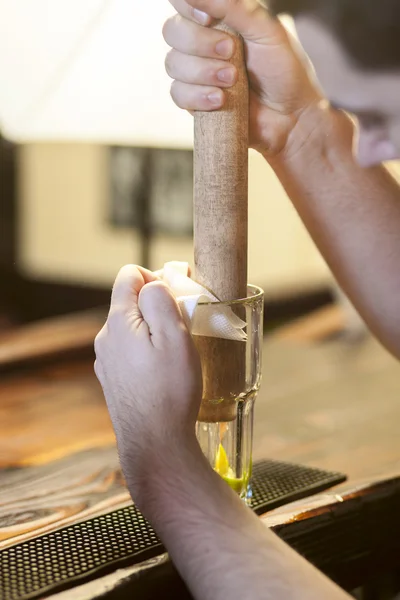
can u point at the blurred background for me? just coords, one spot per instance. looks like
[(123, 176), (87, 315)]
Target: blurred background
[(96, 170), (96, 167)]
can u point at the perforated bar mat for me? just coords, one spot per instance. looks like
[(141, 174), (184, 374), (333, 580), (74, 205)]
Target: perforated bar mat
[(69, 556)]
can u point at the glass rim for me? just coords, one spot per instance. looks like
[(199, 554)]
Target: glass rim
[(258, 295)]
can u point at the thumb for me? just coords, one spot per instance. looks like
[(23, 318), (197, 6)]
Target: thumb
[(126, 288), (160, 310), (248, 17)]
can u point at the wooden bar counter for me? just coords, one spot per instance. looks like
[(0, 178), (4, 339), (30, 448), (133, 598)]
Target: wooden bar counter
[(332, 405)]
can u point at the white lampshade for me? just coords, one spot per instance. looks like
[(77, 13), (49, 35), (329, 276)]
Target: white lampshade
[(87, 70)]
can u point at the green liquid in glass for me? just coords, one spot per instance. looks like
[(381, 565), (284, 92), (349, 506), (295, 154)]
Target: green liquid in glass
[(239, 485)]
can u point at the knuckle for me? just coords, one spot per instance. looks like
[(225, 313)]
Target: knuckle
[(167, 29), (114, 321), (209, 75), (97, 369), (98, 342), (99, 372), (169, 62), (177, 95)]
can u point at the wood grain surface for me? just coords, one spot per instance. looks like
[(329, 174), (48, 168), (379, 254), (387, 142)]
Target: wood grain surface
[(50, 339), (333, 406), (307, 525), (51, 412), (36, 500)]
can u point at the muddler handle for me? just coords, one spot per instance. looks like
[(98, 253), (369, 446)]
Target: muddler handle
[(221, 231)]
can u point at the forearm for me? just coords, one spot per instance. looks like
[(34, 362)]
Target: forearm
[(220, 547), (353, 215)]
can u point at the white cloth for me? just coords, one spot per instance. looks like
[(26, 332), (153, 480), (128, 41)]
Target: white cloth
[(208, 320)]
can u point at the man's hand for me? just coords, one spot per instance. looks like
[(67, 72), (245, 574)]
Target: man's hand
[(151, 376), (281, 90), (150, 372)]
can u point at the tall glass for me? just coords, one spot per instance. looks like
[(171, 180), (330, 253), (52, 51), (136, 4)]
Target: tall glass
[(225, 425)]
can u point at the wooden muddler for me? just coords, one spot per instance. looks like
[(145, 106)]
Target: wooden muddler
[(220, 234)]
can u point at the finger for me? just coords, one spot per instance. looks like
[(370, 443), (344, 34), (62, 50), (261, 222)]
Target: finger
[(148, 275), (160, 310), (127, 286), (249, 18), (191, 38), (197, 97), (129, 282), (187, 11), (200, 71)]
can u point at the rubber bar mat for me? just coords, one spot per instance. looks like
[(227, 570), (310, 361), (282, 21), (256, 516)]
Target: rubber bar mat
[(87, 550)]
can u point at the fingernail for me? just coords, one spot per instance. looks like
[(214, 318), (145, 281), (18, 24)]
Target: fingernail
[(200, 16), (215, 98), (227, 75), (225, 48)]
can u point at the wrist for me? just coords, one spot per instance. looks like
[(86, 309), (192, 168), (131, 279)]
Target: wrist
[(313, 135), (277, 128), (154, 477), (185, 491)]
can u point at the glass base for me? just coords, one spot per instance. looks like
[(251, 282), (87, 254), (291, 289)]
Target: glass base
[(228, 447)]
